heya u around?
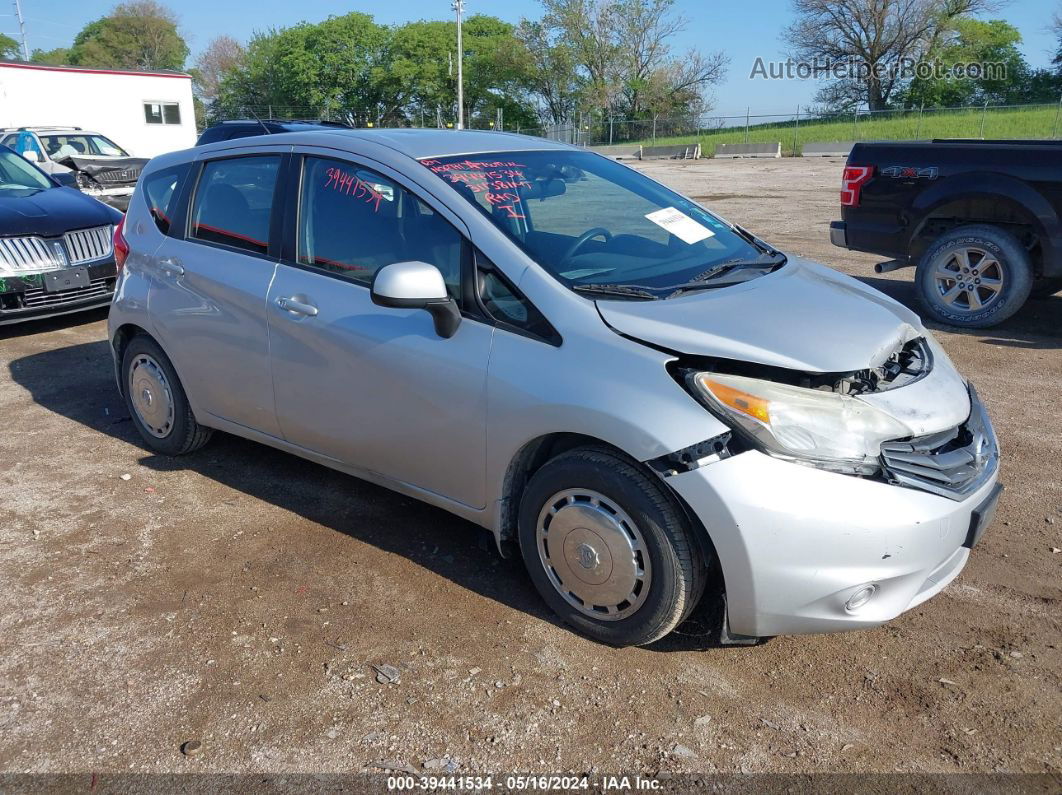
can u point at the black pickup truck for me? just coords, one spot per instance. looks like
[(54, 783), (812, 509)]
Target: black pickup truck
[(981, 220)]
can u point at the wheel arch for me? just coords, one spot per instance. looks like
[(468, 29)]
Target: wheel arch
[(993, 199), (120, 340), (534, 454)]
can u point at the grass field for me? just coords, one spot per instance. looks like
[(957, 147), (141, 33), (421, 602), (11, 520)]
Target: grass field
[(1033, 121)]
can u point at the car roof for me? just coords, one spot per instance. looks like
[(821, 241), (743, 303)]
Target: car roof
[(418, 143), (51, 130)]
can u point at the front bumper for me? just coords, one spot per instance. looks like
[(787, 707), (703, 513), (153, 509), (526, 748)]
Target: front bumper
[(23, 298), (795, 543), (118, 198)]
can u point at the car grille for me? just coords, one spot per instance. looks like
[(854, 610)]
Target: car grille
[(36, 254), (98, 288), (953, 463), (29, 254), (117, 177), (86, 245)]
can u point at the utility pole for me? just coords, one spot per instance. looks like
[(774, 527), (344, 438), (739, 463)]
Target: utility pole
[(21, 30), (459, 8)]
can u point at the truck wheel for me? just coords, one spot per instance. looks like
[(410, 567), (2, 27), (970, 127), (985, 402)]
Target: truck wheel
[(156, 400), (975, 276), (608, 548), (1045, 288)]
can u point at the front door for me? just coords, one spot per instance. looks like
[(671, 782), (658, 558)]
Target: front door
[(374, 387), (209, 291)]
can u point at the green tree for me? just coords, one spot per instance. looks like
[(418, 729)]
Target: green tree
[(421, 71), (993, 46), (551, 71), (351, 65), (9, 48), (141, 34), (495, 76), (875, 37), (624, 56), (329, 68), (60, 56)]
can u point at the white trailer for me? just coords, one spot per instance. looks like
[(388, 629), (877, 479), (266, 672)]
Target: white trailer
[(145, 113)]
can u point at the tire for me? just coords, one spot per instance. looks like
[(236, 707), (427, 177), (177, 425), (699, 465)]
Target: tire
[(954, 289), (594, 512), (156, 400), (1045, 288)]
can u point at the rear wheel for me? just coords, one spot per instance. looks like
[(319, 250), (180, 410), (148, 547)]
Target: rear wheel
[(156, 400), (974, 276), (608, 548)]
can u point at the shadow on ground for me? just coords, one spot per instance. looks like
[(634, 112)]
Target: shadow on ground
[(28, 328), (77, 382)]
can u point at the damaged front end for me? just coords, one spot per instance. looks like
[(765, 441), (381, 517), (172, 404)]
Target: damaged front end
[(910, 420), (111, 180)]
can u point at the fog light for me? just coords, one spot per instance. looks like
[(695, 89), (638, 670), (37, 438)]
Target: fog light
[(860, 597)]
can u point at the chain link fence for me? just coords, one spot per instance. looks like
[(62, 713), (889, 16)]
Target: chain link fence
[(793, 130)]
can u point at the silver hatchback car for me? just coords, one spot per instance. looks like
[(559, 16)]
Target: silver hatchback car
[(616, 382)]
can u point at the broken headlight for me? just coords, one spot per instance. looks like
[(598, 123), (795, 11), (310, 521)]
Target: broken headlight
[(85, 182), (826, 429)]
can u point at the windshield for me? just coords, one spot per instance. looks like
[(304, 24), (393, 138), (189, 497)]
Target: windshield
[(18, 178), (81, 145), (594, 223)]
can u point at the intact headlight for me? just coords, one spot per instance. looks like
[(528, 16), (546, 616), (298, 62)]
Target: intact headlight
[(832, 431)]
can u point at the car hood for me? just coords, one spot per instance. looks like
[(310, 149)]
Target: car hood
[(803, 316), (52, 212)]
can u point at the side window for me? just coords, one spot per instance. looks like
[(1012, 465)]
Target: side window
[(354, 221), (233, 202), (23, 142), (160, 190), (507, 306)]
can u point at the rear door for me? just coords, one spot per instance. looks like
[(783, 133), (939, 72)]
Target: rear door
[(375, 387), (210, 286)]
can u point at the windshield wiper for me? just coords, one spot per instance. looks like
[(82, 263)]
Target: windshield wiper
[(709, 279), (616, 291), (763, 246)]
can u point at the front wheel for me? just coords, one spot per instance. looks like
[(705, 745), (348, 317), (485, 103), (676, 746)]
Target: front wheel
[(974, 276), (608, 548)]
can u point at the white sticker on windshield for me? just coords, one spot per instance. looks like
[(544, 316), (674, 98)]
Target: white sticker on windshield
[(680, 225)]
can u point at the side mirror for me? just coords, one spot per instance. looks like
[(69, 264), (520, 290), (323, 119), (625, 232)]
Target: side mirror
[(32, 156), (417, 285)]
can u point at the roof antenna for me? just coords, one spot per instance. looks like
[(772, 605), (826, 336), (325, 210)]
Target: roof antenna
[(255, 117)]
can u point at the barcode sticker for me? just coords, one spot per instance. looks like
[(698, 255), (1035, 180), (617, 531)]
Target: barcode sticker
[(680, 225)]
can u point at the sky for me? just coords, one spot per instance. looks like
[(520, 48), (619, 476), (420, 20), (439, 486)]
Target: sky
[(744, 30)]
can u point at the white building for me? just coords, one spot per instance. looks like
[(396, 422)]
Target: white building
[(145, 113)]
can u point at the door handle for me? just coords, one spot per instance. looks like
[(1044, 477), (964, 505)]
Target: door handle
[(171, 266), (297, 307)]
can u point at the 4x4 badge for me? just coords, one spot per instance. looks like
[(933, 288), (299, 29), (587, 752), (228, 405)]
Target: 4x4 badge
[(911, 172)]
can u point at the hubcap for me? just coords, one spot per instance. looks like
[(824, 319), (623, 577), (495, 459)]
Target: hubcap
[(150, 394), (593, 553), (968, 279)]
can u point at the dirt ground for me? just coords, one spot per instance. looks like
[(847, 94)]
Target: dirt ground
[(240, 596)]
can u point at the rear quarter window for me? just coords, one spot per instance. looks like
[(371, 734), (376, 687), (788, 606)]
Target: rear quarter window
[(160, 191)]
